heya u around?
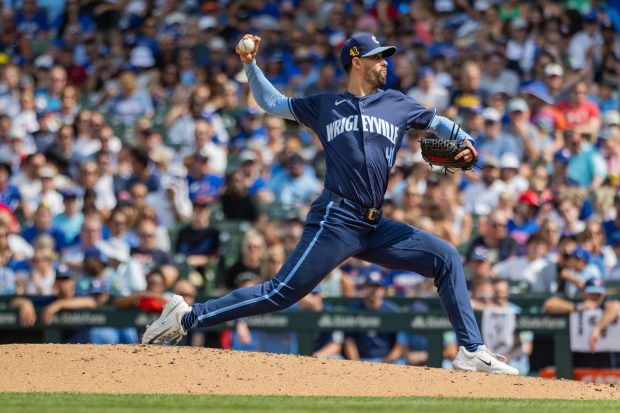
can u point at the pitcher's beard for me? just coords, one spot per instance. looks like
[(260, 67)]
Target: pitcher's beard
[(377, 79)]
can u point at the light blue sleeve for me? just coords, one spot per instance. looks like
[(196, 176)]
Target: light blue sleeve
[(446, 129), (267, 96)]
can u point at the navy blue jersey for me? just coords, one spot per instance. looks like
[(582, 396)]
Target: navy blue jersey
[(361, 136)]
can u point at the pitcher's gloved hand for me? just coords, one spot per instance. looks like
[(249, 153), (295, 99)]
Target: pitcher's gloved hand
[(449, 153)]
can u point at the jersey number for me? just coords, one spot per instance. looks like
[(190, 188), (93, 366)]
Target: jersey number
[(389, 155)]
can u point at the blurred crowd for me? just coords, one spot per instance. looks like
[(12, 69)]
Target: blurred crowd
[(135, 162)]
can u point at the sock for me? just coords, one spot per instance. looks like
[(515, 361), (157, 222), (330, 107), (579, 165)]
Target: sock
[(188, 320), (472, 347)]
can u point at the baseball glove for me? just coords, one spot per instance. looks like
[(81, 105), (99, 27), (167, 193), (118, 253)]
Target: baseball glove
[(442, 152)]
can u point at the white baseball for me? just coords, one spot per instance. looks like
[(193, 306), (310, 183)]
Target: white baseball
[(246, 45)]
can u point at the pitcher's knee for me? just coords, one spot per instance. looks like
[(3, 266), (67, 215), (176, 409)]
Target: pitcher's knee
[(282, 296), (451, 260)]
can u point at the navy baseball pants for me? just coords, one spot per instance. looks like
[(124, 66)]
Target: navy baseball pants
[(334, 232)]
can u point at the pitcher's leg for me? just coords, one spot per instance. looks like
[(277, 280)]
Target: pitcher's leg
[(322, 247), (399, 246)]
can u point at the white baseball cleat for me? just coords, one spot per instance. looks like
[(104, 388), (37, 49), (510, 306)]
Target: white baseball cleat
[(482, 360), (167, 328)]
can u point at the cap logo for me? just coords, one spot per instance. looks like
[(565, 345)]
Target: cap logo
[(374, 39), (354, 51)]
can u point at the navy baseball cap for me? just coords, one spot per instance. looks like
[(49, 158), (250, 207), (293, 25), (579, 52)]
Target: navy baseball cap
[(63, 272), (95, 253), (480, 253), (595, 285), (69, 193), (363, 45), (373, 278)]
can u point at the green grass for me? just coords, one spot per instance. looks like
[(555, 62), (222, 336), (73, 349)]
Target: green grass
[(93, 403)]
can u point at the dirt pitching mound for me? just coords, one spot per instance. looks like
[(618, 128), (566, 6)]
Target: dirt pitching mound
[(183, 370)]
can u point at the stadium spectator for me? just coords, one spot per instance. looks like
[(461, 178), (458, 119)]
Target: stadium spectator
[(324, 343), (614, 273), (525, 268), (496, 77), (372, 345), (7, 263), (524, 223), (493, 141), (458, 219), (9, 193), (612, 226), (428, 92), (518, 356), (482, 197), (593, 296), (482, 294), (469, 95), (43, 225), (294, 187), (91, 235), (199, 241), (62, 153), (586, 167), (578, 269), (582, 115), (532, 145), (479, 266), (509, 166), (554, 80), (41, 273), (149, 256), (151, 299), (251, 259), (494, 237), (237, 202), (130, 103)]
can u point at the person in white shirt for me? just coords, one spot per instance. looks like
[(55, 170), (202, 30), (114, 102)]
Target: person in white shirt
[(483, 196), (496, 78), (203, 143), (49, 195), (509, 173), (521, 48), (428, 92), (583, 41), (28, 182), (528, 267)]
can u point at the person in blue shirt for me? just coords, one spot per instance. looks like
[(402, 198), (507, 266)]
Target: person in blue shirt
[(361, 131), (130, 103), (587, 166), (294, 187), (43, 225), (70, 221), (524, 224), (612, 226), (31, 21), (142, 172), (494, 141), (9, 193), (372, 345)]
